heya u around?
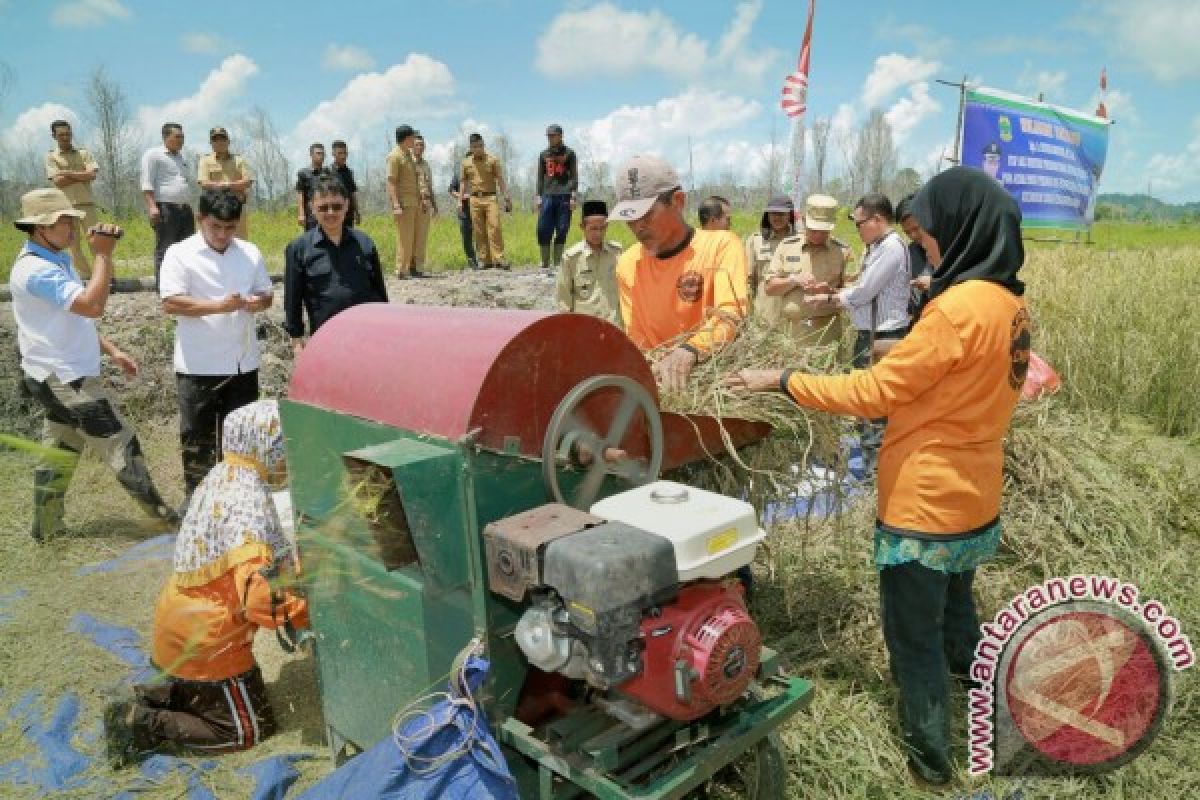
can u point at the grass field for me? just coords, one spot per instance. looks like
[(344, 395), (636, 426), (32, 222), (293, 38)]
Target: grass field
[(272, 232), (1104, 478)]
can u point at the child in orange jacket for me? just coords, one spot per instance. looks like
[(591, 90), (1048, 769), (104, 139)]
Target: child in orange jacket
[(230, 548)]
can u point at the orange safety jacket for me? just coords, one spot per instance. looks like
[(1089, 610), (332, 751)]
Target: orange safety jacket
[(948, 391), (206, 633), (696, 297)]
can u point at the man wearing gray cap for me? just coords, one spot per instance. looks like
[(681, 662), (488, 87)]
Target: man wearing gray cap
[(60, 358), (680, 288), (557, 182)]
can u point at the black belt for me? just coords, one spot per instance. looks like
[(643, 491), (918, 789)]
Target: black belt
[(483, 194)]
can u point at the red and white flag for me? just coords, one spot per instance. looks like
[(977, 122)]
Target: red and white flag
[(795, 86), (1102, 109)]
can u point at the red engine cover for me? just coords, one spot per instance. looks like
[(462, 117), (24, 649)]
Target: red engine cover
[(700, 653)]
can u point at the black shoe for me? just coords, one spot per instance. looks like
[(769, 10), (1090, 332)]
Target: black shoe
[(118, 734), (473, 265), (505, 267), (416, 273)]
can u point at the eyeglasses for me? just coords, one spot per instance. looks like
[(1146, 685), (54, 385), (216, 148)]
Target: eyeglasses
[(330, 208)]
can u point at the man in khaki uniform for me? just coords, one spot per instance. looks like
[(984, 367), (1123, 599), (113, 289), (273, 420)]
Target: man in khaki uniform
[(404, 193), (222, 169), (427, 208), (587, 282), (481, 177), (73, 169), (804, 270)]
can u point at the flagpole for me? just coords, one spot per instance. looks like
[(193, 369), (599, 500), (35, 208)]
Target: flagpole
[(795, 104)]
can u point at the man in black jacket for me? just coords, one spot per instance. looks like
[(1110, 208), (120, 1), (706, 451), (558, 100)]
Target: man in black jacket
[(330, 267), (557, 183)]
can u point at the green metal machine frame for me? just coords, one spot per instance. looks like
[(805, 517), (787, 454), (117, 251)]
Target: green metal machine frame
[(386, 637)]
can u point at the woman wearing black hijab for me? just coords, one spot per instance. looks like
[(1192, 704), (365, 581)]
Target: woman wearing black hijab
[(948, 390)]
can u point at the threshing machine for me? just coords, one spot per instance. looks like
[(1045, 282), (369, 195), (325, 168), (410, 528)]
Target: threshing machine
[(463, 473)]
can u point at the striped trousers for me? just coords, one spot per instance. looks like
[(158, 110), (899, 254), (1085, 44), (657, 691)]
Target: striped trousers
[(204, 716)]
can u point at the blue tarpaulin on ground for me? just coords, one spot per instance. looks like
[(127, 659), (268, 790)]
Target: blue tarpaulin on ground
[(55, 764), (453, 729), (821, 492), (8, 601), (160, 548)]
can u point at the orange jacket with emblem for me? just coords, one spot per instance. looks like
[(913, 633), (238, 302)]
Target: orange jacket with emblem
[(948, 390), (205, 633), (696, 296)]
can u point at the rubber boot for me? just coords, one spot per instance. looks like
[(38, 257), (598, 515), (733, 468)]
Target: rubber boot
[(49, 502), (556, 259), (136, 480), (545, 249)]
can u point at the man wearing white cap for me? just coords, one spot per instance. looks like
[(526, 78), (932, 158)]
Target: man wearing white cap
[(60, 358), (680, 288)]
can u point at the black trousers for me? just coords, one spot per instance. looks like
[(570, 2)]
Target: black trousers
[(204, 401), (468, 238), (175, 223), (931, 628), (203, 716)]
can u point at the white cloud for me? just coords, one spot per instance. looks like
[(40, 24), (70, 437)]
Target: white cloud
[(707, 116), (1176, 176), (31, 129), (891, 73), (421, 88), (910, 111), (606, 40), (1161, 34), (197, 42), (86, 13), (1049, 83), (209, 105), (346, 58)]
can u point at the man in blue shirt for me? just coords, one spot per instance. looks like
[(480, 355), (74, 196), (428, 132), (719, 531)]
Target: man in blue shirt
[(60, 358)]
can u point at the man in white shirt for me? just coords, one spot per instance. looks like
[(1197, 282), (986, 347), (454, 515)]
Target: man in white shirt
[(167, 193), (60, 358), (213, 284)]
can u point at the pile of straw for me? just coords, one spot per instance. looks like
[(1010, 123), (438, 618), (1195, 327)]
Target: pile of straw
[(800, 436)]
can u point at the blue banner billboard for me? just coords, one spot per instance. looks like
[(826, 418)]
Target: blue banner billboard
[(1049, 158)]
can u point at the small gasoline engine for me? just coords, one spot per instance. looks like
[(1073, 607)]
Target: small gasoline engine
[(637, 597)]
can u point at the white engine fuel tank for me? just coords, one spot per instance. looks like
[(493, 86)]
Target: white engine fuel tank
[(712, 534)]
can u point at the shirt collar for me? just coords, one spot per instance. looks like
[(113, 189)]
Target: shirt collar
[(61, 258)]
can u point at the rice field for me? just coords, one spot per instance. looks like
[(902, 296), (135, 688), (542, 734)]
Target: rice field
[(1103, 478)]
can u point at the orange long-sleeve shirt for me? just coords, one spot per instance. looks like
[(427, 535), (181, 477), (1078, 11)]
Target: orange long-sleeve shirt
[(205, 633), (948, 390), (700, 290)]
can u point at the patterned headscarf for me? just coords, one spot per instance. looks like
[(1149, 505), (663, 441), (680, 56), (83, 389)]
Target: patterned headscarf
[(232, 518)]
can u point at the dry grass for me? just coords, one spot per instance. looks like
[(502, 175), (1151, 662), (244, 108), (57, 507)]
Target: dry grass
[(1092, 486)]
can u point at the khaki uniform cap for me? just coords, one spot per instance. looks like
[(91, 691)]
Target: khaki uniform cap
[(820, 212)]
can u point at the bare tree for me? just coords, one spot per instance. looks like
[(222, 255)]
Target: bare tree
[(117, 142), (272, 172), (820, 144), (770, 177), (875, 153), (518, 180), (905, 182)]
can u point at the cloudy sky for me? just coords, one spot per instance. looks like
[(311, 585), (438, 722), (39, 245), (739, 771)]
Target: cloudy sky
[(620, 76)]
